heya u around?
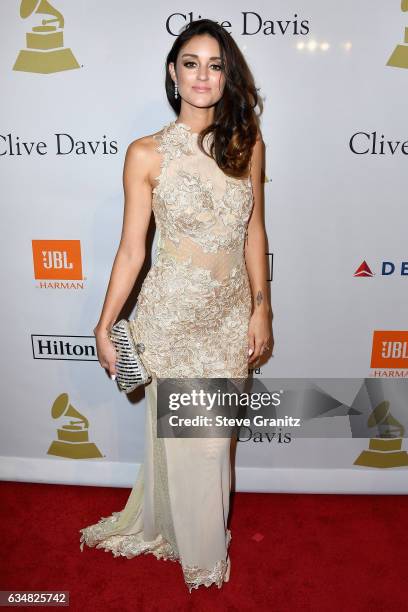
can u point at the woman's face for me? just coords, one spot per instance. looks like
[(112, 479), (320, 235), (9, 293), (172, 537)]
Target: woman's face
[(200, 76)]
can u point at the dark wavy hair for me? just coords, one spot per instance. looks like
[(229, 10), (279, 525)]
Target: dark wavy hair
[(236, 123)]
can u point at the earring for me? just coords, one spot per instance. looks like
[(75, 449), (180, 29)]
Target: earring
[(175, 89)]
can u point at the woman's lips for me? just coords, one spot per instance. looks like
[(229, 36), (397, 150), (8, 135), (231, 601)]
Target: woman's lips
[(201, 89)]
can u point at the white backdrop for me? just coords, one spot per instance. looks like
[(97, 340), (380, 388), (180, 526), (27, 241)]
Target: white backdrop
[(332, 201)]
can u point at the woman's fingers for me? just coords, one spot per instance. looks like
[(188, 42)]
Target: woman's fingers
[(107, 356), (251, 345), (112, 370), (258, 346), (256, 350)]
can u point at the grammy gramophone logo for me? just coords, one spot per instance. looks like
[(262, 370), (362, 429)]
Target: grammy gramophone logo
[(384, 451), (45, 52), (73, 439), (399, 57)]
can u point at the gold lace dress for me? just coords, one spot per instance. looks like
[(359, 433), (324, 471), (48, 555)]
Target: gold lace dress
[(192, 315)]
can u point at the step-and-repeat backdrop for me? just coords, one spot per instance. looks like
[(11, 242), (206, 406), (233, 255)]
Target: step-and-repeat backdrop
[(80, 81)]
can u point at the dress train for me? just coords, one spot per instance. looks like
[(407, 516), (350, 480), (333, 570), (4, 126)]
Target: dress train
[(194, 506)]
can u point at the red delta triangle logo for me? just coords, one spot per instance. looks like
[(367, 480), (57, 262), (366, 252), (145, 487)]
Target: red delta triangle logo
[(363, 270)]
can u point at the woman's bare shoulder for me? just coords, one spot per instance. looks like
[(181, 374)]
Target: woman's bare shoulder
[(142, 157), (144, 145), (143, 152)]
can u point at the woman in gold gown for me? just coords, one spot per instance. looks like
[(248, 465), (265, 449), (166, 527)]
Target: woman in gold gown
[(202, 310)]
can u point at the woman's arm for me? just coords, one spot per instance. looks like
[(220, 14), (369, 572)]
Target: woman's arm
[(132, 246), (260, 332)]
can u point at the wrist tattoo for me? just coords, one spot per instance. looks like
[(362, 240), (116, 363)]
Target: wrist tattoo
[(259, 298)]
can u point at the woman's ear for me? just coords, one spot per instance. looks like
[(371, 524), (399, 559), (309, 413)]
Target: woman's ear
[(172, 72)]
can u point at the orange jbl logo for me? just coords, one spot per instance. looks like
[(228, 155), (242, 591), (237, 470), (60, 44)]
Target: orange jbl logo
[(57, 259), (390, 349)]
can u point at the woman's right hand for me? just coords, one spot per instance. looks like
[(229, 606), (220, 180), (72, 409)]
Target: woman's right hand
[(106, 352)]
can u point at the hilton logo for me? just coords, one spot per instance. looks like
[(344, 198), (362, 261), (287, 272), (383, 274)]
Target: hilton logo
[(71, 348)]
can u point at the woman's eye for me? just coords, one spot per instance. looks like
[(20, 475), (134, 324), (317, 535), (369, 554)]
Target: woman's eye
[(188, 64)]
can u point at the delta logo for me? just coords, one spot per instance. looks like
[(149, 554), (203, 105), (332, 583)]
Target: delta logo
[(58, 264), (390, 352), (388, 268)]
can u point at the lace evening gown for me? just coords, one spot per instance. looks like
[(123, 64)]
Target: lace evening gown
[(192, 315)]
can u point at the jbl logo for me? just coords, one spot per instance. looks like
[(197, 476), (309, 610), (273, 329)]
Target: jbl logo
[(57, 259), (390, 349), (394, 350)]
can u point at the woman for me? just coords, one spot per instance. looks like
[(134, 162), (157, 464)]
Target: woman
[(201, 176)]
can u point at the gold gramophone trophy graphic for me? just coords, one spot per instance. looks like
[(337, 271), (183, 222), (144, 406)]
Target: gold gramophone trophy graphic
[(399, 57), (384, 451), (73, 441), (45, 51)]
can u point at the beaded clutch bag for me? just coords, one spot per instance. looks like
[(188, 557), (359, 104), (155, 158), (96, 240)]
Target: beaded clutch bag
[(130, 369)]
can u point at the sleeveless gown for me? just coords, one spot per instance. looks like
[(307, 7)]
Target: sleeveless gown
[(192, 315)]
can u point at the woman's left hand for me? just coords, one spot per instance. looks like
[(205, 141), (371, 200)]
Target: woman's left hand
[(260, 336)]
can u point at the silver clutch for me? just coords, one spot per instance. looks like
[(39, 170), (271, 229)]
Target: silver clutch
[(131, 372)]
